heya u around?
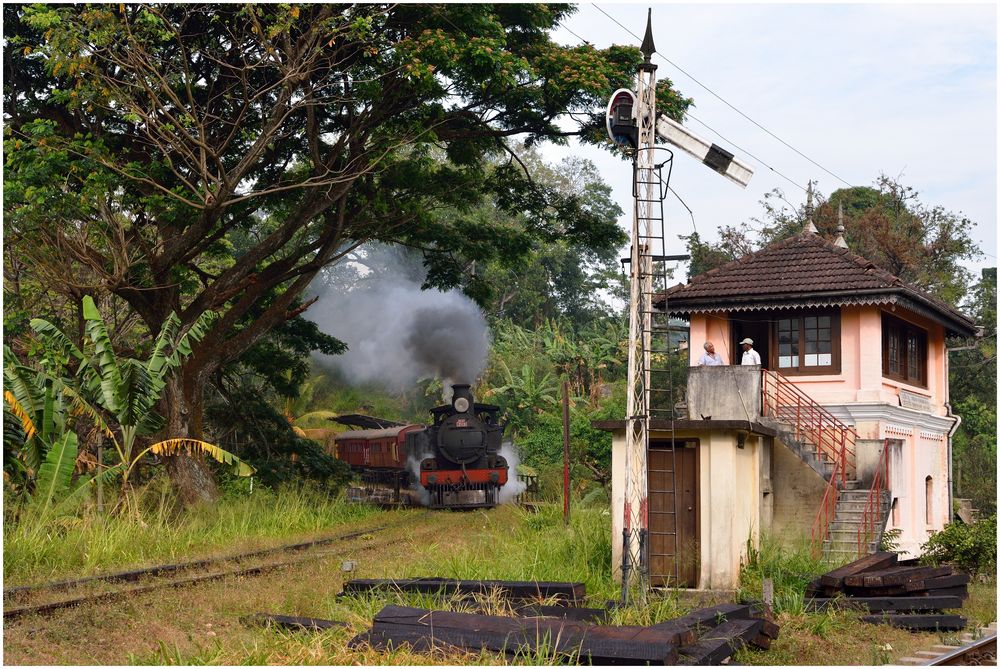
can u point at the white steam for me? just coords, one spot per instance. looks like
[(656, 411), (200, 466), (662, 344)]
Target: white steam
[(514, 486), (413, 460)]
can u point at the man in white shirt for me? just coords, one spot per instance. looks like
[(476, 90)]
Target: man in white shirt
[(710, 357), (750, 356)]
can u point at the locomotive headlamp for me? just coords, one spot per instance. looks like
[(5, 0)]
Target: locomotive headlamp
[(462, 404)]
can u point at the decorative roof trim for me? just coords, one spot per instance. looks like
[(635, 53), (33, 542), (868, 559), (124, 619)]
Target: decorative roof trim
[(773, 303), (900, 297)]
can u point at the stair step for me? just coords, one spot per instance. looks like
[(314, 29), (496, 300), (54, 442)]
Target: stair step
[(855, 510), (855, 495)]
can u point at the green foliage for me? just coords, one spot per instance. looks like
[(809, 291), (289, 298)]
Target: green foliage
[(972, 547), (56, 472), (247, 424), (235, 198), (973, 390), (523, 378), (890, 540), (103, 388)]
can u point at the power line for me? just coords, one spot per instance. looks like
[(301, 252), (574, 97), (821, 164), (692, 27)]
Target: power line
[(738, 147), (726, 102), (566, 28), (714, 131)]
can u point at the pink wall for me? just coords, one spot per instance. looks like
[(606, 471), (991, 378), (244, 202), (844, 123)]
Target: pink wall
[(860, 378), (713, 328)]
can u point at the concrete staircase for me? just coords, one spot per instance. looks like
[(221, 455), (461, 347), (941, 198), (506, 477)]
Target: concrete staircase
[(829, 447), (841, 543), (807, 450)]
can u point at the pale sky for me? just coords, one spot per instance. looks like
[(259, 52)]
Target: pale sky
[(905, 89)]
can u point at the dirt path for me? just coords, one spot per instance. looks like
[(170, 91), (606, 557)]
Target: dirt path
[(202, 623)]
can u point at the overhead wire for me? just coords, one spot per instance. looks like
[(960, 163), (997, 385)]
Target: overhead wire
[(751, 155), (567, 29), (726, 102)]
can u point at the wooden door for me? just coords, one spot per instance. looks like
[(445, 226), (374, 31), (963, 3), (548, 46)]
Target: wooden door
[(673, 537)]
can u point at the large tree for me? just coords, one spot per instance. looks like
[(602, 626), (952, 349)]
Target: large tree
[(142, 140)]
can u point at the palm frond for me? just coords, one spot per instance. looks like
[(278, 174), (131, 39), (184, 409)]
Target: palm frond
[(23, 383), (159, 358), (135, 395), (321, 415), (191, 446), (195, 333), (81, 407)]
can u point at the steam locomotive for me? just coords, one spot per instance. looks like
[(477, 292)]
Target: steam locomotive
[(453, 463)]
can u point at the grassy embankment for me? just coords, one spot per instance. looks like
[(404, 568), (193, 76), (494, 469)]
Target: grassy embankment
[(202, 625), (38, 551)]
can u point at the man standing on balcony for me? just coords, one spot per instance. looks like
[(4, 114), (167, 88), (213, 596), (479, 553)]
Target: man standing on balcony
[(750, 356), (710, 358)]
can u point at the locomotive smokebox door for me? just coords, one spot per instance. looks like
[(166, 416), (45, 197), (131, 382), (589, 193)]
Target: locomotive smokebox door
[(461, 398), (462, 438)]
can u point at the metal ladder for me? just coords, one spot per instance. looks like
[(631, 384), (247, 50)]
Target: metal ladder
[(650, 190)]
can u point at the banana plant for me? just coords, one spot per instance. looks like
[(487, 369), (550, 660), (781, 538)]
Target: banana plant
[(526, 393), (127, 389), (38, 416), (294, 409)]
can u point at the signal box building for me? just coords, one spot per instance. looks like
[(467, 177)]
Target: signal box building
[(843, 431)]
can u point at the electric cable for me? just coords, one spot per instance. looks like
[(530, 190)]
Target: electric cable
[(724, 101), (567, 29)]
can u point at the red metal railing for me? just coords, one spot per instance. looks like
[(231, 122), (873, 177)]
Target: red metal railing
[(825, 515), (871, 517), (811, 423)]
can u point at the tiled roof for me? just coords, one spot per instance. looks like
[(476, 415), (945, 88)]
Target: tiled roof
[(805, 270)]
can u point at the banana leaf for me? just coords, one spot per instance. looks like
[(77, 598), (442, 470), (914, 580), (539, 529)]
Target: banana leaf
[(56, 472)]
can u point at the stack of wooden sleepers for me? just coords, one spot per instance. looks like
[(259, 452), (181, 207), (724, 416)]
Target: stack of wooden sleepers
[(704, 637), (910, 596), (560, 592)]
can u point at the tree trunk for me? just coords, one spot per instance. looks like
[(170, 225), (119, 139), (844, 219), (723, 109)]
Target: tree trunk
[(192, 479)]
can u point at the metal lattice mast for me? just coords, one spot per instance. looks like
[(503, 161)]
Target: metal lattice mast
[(635, 564)]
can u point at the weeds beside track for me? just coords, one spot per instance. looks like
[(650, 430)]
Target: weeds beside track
[(155, 574)]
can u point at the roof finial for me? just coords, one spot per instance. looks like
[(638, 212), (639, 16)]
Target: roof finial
[(809, 209), (840, 241), (647, 47)]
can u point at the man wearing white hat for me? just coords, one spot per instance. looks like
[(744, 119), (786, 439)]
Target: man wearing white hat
[(750, 356)]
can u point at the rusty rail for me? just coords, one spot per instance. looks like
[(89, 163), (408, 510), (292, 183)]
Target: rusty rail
[(867, 530), (782, 400)]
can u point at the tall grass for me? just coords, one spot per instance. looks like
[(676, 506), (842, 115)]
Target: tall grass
[(514, 544), (37, 550), (790, 565)]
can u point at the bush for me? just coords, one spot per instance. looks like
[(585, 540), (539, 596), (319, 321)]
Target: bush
[(259, 434), (973, 548)]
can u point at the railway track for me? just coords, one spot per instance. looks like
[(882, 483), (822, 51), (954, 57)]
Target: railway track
[(981, 651), (178, 575), (974, 653)]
